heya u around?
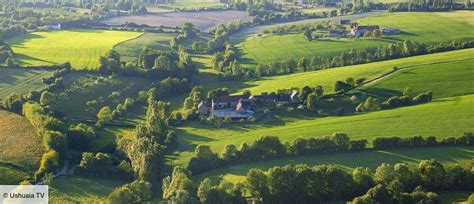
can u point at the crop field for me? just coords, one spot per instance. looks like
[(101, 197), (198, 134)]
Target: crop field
[(21, 81), (203, 20), (20, 148), (462, 156), (83, 88), (82, 48), (419, 27), (130, 49), (73, 189), (327, 78)]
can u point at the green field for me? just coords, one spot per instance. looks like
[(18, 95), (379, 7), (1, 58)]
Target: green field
[(447, 155), (110, 91), (420, 27), (20, 148), (21, 81), (74, 189), (130, 49), (82, 48), (422, 64), (192, 4)]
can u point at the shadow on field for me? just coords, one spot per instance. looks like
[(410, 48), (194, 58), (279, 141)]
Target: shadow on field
[(381, 92), (11, 75), (23, 57)]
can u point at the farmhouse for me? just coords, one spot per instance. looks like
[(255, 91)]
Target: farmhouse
[(224, 102), (358, 30)]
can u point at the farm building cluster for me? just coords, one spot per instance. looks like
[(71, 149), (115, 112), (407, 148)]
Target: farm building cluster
[(241, 106), (357, 30)]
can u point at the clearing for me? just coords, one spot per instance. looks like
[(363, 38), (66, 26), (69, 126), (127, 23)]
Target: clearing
[(21, 81)]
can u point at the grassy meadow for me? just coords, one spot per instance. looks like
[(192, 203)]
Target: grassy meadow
[(21, 81), (443, 63), (447, 155), (130, 49), (82, 48), (20, 148), (423, 27)]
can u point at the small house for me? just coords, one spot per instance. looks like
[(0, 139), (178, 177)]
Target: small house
[(203, 108), (360, 30), (224, 102)]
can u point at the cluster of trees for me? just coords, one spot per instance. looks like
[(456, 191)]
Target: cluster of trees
[(352, 57), (466, 138), (51, 131), (102, 165), (268, 147), (179, 188), (6, 53), (399, 183), (372, 104), (303, 28)]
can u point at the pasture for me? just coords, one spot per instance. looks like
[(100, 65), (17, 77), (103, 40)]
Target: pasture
[(462, 156), (130, 49), (203, 20), (419, 27), (21, 81), (20, 148), (79, 89), (327, 78), (73, 189), (82, 48), (441, 118)]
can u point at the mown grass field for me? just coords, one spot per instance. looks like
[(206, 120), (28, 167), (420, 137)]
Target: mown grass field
[(20, 148), (192, 4), (74, 189), (441, 118), (21, 81), (433, 72), (82, 48), (447, 155), (420, 27), (130, 49)]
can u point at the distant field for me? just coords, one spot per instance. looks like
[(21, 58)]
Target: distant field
[(447, 155), (458, 81), (20, 148), (203, 20), (443, 118), (21, 81), (72, 189), (130, 49), (421, 27), (82, 48)]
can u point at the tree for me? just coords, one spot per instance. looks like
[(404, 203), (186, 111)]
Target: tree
[(136, 192), (178, 186), (47, 99), (312, 102), (13, 102), (408, 92), (104, 115), (145, 154), (308, 34), (303, 64), (205, 152), (230, 153), (432, 174), (188, 30)]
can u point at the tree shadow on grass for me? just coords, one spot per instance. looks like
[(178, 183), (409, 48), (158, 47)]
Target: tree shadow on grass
[(12, 75), (22, 58), (380, 92)]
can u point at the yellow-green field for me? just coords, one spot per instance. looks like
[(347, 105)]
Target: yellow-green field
[(82, 48)]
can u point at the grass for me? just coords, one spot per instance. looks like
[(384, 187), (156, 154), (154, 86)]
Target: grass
[(82, 48), (327, 78), (423, 27), (21, 81), (192, 4), (441, 118), (80, 88), (20, 148), (81, 190), (453, 78), (447, 155), (130, 49), (453, 196)]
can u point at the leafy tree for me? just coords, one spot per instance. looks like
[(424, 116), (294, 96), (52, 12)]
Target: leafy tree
[(136, 192), (312, 102), (230, 153), (432, 174), (303, 64), (145, 154), (104, 115), (13, 102), (308, 34), (178, 186)]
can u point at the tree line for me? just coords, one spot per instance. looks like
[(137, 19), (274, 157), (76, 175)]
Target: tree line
[(268, 147), (398, 183)]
